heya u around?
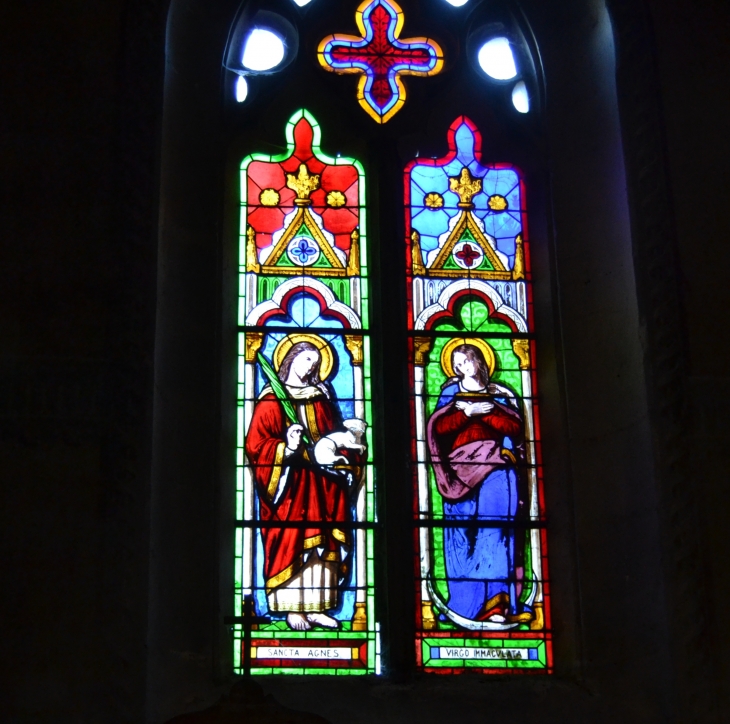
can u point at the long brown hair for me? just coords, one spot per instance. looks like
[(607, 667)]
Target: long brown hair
[(473, 354), (313, 377)]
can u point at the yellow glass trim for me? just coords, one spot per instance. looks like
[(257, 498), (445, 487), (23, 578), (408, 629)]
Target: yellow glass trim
[(339, 535), (417, 255), (521, 618), (302, 608), (539, 621), (311, 421), (509, 455), (284, 576), (313, 542), (521, 348), (289, 571), (494, 600), (252, 256), (253, 342), (354, 344), (276, 470), (353, 260), (360, 618), (518, 270)]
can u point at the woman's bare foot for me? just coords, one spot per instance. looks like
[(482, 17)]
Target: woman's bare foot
[(298, 622), (323, 620)]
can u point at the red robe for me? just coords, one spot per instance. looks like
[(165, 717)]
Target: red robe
[(309, 493), (465, 450)]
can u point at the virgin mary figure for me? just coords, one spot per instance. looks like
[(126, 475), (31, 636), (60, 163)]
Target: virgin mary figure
[(305, 563), (475, 439)]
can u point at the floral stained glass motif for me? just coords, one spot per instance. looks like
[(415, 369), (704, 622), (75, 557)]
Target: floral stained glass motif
[(305, 491), (481, 569), (380, 57)]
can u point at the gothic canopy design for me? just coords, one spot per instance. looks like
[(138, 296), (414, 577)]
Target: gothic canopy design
[(380, 58)]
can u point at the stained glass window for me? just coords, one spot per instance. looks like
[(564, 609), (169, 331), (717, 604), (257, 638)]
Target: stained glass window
[(306, 485), (380, 57), (481, 570), (304, 598)]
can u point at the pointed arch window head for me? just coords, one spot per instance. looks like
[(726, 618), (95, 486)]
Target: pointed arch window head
[(380, 57)]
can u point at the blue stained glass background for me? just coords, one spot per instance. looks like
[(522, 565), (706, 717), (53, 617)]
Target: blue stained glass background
[(503, 226)]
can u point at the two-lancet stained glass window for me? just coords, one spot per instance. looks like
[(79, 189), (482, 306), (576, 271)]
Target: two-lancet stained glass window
[(308, 493)]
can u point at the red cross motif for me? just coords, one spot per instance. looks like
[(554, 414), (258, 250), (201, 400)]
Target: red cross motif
[(468, 254), (380, 57)]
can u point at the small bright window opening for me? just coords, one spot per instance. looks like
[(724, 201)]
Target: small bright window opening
[(263, 50), (457, 3), (520, 99), (241, 89), (496, 59)]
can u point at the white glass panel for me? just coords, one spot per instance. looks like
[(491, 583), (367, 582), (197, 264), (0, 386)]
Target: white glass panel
[(263, 50), (241, 89), (520, 99), (496, 59)]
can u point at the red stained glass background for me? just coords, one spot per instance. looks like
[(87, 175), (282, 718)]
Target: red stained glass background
[(266, 220)]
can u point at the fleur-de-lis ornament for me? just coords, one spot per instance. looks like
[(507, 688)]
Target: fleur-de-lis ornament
[(302, 183), (466, 186)]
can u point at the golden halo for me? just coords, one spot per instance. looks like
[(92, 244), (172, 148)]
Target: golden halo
[(325, 351), (452, 344)]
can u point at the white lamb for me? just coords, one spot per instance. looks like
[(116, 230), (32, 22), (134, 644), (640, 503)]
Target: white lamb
[(325, 451)]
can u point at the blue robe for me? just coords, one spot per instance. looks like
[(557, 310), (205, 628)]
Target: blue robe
[(481, 561)]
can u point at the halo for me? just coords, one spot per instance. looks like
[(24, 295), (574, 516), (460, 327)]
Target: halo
[(452, 344), (325, 351)]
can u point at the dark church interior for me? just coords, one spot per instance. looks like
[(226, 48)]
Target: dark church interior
[(120, 146)]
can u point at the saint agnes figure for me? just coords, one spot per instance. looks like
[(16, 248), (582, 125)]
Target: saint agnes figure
[(475, 439), (305, 564)]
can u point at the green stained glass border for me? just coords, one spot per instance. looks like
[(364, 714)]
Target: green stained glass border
[(536, 648)]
